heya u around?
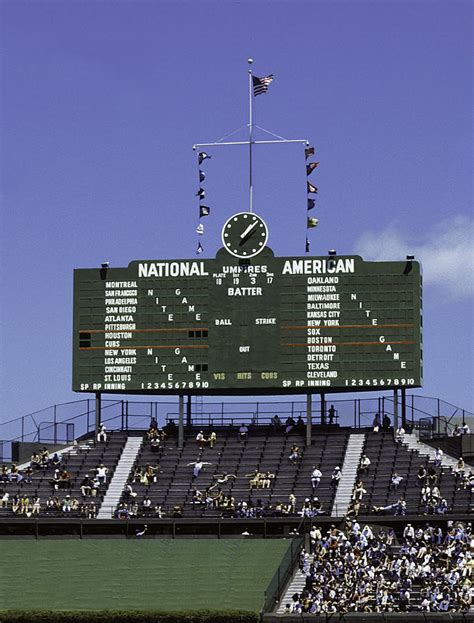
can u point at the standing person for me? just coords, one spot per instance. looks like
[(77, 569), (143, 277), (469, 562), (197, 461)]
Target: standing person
[(331, 414), (200, 439), (212, 439), (376, 423), (438, 457)]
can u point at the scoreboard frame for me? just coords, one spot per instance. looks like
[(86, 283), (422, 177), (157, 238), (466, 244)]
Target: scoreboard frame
[(265, 325)]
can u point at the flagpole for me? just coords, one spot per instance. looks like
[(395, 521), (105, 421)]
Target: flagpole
[(250, 61)]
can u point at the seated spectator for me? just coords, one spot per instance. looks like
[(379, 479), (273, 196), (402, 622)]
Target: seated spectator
[(243, 432), (289, 424), (336, 476), (399, 435), (316, 476), (395, 481), (421, 475), (458, 469), (212, 440), (300, 425), (56, 460), (276, 424), (101, 434), (86, 486), (295, 454), (358, 491), (364, 465), (386, 423), (4, 499), (201, 440), (457, 432), (170, 429), (465, 430), (102, 472)]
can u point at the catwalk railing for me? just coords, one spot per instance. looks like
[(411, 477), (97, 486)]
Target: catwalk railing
[(63, 423)]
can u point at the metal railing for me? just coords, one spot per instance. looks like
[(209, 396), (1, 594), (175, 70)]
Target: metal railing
[(282, 575), (67, 421)]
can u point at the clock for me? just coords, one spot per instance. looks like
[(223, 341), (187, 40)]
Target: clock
[(244, 235)]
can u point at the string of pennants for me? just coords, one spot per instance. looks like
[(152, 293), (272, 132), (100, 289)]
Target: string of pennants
[(311, 189), (204, 210)]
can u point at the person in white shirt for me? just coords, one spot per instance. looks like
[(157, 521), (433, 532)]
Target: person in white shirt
[(316, 476)]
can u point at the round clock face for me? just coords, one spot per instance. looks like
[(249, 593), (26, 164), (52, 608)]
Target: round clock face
[(245, 234)]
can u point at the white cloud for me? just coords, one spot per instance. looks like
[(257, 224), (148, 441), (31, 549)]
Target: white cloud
[(446, 251)]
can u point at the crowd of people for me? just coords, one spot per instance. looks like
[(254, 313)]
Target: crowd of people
[(359, 569)]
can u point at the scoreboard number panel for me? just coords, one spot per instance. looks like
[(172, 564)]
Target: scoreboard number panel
[(260, 324)]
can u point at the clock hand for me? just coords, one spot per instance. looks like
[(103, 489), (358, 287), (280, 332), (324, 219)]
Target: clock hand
[(245, 233)]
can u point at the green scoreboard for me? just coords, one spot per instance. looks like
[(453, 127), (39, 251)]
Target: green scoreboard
[(257, 325)]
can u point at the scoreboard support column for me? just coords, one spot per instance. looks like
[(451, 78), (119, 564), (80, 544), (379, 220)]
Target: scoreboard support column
[(180, 422), (98, 412), (323, 409), (189, 422), (309, 422), (395, 410), (403, 393)]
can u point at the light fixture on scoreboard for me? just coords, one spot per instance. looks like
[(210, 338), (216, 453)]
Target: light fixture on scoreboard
[(332, 252), (244, 235)]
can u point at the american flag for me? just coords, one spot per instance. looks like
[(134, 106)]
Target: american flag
[(260, 85)]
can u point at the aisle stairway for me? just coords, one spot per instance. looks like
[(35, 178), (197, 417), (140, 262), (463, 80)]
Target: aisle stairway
[(120, 477), (349, 474)]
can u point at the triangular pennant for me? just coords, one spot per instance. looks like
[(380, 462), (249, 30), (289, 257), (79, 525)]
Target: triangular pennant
[(201, 193), (200, 229), (204, 211), (311, 204), (309, 151), (202, 176), (312, 222), (202, 156), (311, 188), (310, 167), (307, 246), (199, 249)]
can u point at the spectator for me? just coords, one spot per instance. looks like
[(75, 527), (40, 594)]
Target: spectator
[(395, 481), (399, 434), (376, 423), (459, 468), (102, 433), (316, 476), (336, 476), (289, 424), (212, 439), (364, 465), (200, 439), (438, 457), (300, 425), (386, 423), (243, 432), (421, 475), (457, 432), (295, 454), (276, 424), (331, 415), (198, 465), (465, 429), (102, 472)]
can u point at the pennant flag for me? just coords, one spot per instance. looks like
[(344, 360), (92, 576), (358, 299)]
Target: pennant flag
[(311, 188), (204, 211), (201, 193), (309, 151), (202, 175), (312, 222), (310, 167), (311, 204), (202, 156), (200, 229), (307, 246), (260, 85), (199, 249)]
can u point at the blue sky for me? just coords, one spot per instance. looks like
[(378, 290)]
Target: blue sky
[(102, 102)]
